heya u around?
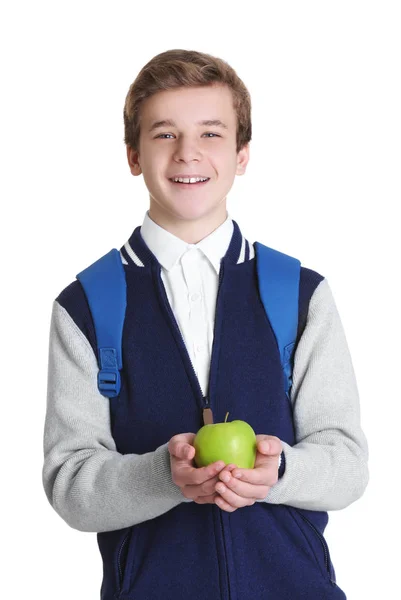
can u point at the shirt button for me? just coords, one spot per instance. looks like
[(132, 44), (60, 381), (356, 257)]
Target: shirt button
[(195, 297)]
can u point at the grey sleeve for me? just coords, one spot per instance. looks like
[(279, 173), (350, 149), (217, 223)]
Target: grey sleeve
[(327, 468), (88, 483)]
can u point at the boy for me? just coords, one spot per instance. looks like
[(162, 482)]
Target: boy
[(197, 344)]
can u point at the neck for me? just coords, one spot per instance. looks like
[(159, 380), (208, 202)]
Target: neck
[(190, 231)]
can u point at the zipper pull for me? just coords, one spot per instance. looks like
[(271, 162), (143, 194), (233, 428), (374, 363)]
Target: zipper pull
[(207, 416), (207, 413)]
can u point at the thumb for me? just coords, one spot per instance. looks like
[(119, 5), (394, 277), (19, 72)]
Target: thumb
[(180, 444), (270, 447), (185, 452)]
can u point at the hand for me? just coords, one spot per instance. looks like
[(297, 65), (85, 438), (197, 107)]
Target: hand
[(254, 484), (197, 483)]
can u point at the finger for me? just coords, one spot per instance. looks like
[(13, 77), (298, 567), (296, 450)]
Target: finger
[(261, 476), (243, 489), (268, 463), (206, 499), (182, 451), (269, 445), (230, 501), (206, 488), (203, 490), (179, 442), (191, 476), (203, 474), (221, 503), (229, 468)]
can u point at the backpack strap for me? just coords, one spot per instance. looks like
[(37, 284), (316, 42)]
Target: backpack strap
[(278, 278), (106, 291)]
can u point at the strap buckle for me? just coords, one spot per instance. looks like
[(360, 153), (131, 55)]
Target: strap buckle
[(109, 382), (108, 377)]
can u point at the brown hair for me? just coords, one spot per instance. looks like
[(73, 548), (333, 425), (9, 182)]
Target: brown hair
[(178, 68)]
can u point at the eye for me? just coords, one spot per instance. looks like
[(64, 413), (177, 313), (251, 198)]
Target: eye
[(162, 135)]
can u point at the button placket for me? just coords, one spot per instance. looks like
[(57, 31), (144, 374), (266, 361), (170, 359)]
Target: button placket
[(191, 267)]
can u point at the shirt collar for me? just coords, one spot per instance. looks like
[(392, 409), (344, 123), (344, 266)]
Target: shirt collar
[(169, 248)]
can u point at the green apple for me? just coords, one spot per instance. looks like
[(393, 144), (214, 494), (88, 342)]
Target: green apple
[(233, 442)]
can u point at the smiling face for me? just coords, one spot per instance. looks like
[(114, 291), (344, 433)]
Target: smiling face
[(186, 147)]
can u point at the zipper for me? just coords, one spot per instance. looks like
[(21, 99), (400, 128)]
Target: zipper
[(324, 544), (205, 398), (120, 569), (221, 271), (225, 554)]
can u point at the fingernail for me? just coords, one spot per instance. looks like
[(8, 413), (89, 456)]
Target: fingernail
[(238, 475)]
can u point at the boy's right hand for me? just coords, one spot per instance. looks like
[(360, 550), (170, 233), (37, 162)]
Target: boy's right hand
[(195, 482)]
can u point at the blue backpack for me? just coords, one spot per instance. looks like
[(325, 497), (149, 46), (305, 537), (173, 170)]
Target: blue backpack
[(106, 291)]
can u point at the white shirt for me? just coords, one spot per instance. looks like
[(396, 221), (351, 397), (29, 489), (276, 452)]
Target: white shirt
[(190, 273)]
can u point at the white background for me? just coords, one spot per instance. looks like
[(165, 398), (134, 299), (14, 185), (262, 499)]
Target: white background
[(323, 184)]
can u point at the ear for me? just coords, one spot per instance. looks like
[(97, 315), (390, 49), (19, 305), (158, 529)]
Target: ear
[(242, 160), (133, 161)]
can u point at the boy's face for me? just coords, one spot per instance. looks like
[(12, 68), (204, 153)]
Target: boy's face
[(190, 149)]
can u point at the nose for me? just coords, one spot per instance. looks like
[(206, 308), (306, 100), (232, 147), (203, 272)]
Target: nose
[(187, 150)]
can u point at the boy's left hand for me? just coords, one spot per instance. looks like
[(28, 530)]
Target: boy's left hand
[(255, 483)]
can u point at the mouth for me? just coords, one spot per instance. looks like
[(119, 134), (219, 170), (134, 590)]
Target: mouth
[(197, 184)]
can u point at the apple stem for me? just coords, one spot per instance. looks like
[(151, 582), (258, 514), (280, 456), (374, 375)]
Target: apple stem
[(225, 420)]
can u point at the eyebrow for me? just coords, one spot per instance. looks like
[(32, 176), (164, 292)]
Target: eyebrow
[(171, 123)]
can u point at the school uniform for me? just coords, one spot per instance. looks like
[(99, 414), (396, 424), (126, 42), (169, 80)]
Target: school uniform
[(196, 336)]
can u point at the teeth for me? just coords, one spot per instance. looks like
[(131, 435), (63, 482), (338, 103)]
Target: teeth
[(191, 180)]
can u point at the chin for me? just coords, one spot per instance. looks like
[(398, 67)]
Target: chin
[(191, 210)]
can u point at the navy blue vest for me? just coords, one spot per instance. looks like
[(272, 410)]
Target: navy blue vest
[(194, 551)]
